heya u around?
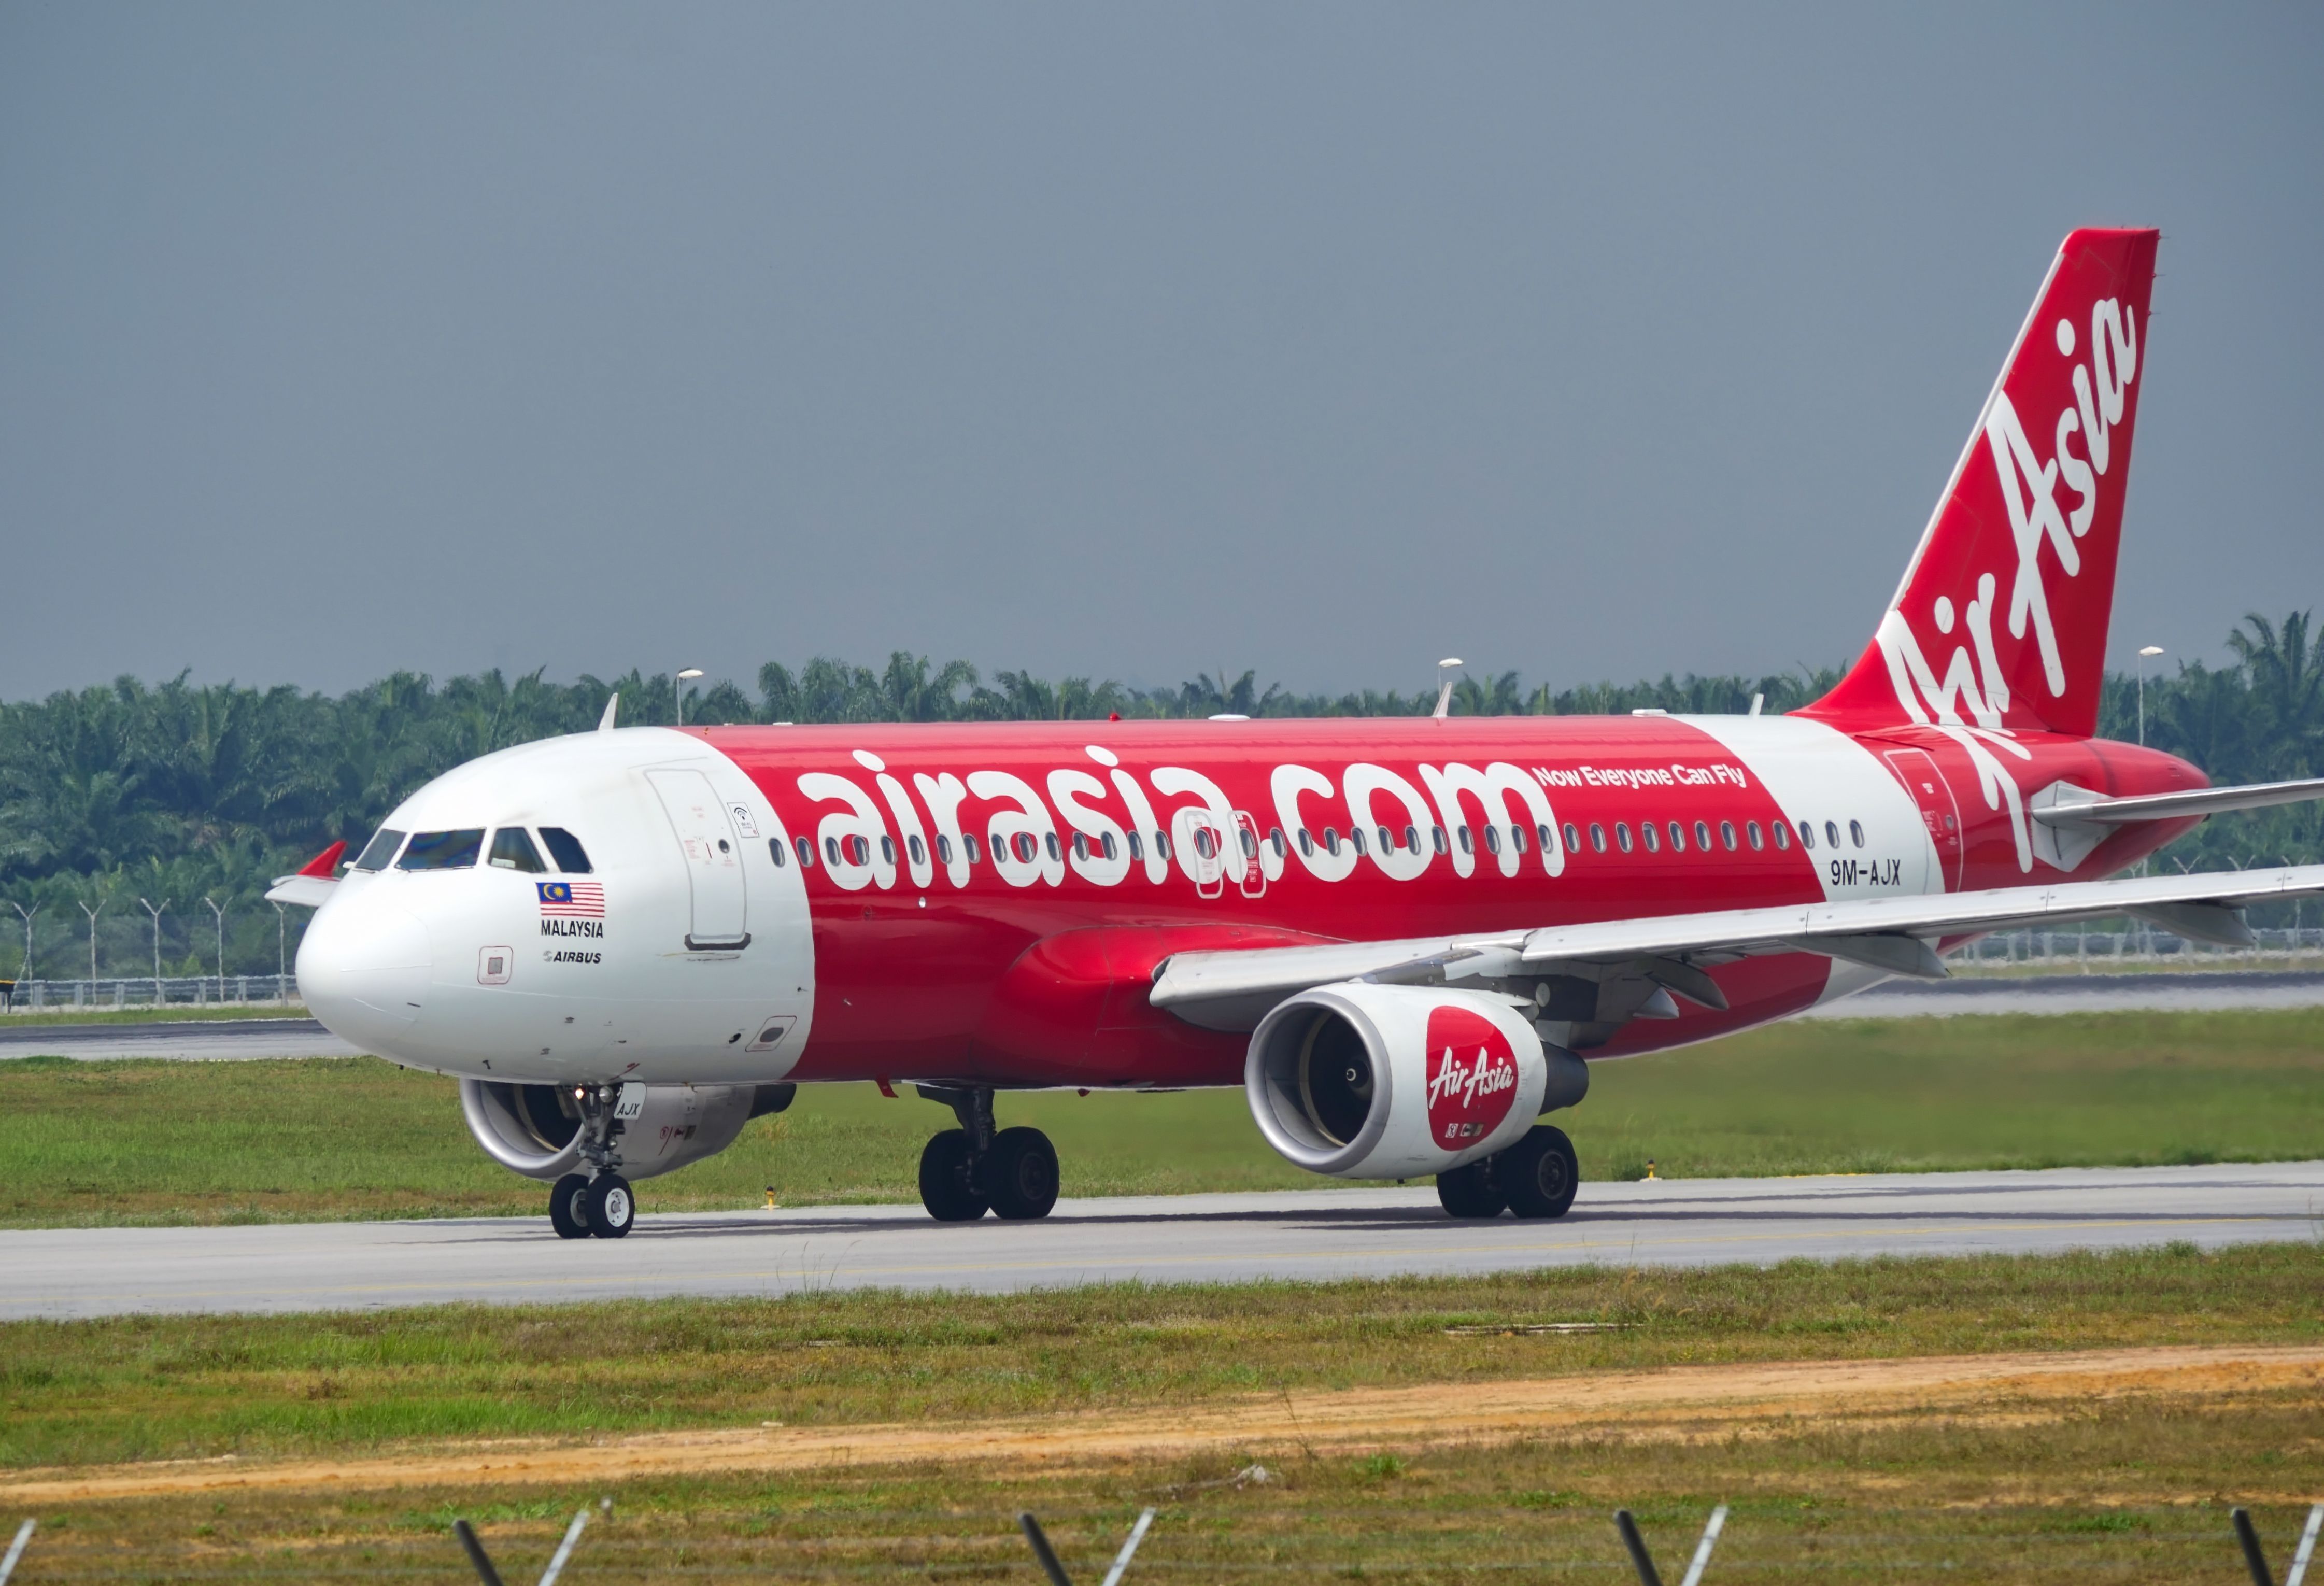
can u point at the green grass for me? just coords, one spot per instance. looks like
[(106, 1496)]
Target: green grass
[(157, 1141), (2132, 1488), (2126, 1493), (198, 1386)]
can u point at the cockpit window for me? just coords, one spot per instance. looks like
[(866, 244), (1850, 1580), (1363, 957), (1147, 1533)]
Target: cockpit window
[(513, 850), (565, 849), (379, 849), (443, 850)]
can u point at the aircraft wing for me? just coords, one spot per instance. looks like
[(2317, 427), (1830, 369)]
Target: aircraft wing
[(1232, 989)]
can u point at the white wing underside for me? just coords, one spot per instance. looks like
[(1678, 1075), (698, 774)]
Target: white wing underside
[(1232, 989)]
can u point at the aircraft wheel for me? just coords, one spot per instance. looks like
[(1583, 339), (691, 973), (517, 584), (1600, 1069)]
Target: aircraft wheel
[(1539, 1173), (568, 1211), (1019, 1173), (612, 1208), (1469, 1191), (945, 1189)]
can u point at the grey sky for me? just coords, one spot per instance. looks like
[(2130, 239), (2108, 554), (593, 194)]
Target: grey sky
[(1325, 340)]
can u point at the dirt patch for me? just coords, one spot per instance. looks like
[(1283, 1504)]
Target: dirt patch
[(1681, 1402)]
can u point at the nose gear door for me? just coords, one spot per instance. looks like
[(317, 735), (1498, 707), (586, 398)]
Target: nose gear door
[(1917, 769), (714, 859)]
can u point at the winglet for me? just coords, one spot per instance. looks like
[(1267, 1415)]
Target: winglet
[(613, 704), (313, 882), (326, 864)]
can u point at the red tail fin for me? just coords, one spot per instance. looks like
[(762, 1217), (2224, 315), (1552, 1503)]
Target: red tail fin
[(2001, 619)]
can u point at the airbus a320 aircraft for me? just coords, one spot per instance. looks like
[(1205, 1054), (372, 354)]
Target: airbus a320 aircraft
[(1406, 939)]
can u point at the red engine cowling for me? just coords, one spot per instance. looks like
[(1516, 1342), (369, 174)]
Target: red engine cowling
[(1363, 1081)]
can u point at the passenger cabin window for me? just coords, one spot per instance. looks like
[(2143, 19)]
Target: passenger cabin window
[(1541, 831), (863, 851), (1856, 833), (1517, 839), (971, 847), (887, 848), (1161, 844), (381, 850), (1306, 844), (1081, 846), (1387, 840), (1051, 838), (1597, 837), (805, 852), (565, 849), (513, 850), (1274, 839), (1332, 841), (1466, 847), (1678, 838), (1622, 836), (1436, 837), (1783, 830), (1356, 839), (1106, 841), (1758, 842), (1137, 846), (444, 850), (1807, 834), (1573, 839), (944, 850), (1702, 836), (1727, 835), (1831, 833), (1654, 838), (1250, 844), (778, 853)]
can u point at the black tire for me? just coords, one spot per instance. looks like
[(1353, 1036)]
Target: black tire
[(612, 1205), (1539, 1173), (568, 1211), (944, 1188), (1019, 1175), (1470, 1191)]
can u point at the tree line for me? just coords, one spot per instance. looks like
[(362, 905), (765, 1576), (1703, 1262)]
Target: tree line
[(187, 792)]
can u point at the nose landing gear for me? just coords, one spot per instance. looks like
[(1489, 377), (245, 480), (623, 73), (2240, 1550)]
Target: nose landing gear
[(599, 1201), (968, 1171)]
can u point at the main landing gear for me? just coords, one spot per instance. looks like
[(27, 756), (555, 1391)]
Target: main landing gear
[(1535, 1177), (599, 1201), (976, 1168)]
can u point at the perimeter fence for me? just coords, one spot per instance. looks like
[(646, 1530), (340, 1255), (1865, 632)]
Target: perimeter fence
[(2043, 1551)]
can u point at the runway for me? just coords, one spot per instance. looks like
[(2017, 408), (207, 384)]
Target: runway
[(209, 1040), (2186, 992), (1309, 1234), (2196, 992)]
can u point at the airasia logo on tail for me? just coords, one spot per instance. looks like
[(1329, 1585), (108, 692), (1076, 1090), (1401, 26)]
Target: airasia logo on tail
[(1472, 1077)]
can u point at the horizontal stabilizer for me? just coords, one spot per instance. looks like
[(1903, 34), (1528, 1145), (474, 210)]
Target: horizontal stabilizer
[(2162, 807)]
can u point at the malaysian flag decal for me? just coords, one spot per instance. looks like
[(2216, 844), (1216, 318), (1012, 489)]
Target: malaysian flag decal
[(571, 899)]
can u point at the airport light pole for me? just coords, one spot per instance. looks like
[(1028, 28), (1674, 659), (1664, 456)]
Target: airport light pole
[(92, 914), (156, 913), (26, 972), (220, 914), (1444, 684), (684, 677), (2145, 655), (281, 951)]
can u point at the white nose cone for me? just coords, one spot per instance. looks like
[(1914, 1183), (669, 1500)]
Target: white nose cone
[(364, 969)]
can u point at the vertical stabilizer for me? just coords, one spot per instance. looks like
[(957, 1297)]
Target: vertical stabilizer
[(2001, 619)]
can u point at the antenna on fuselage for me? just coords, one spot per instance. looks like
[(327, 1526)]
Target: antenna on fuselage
[(1444, 688), (613, 704)]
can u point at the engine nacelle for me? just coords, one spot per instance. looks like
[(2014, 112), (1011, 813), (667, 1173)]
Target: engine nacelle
[(536, 1131), (1363, 1081)]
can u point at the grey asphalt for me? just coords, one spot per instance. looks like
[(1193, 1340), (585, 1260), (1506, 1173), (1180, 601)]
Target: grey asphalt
[(2184, 991), (2194, 991), (195, 1039), (1310, 1234)]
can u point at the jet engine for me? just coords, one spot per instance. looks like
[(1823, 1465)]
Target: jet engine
[(1365, 1081), (536, 1130)]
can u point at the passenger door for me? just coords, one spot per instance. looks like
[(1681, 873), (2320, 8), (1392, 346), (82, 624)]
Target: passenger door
[(1917, 769), (714, 859)]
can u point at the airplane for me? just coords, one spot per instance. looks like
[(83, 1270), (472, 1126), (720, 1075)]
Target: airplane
[(1408, 940)]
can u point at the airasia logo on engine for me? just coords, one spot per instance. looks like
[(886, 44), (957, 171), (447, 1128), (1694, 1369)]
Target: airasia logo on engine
[(1472, 1077)]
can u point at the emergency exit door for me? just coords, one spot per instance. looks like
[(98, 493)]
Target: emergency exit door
[(714, 859), (1917, 769)]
